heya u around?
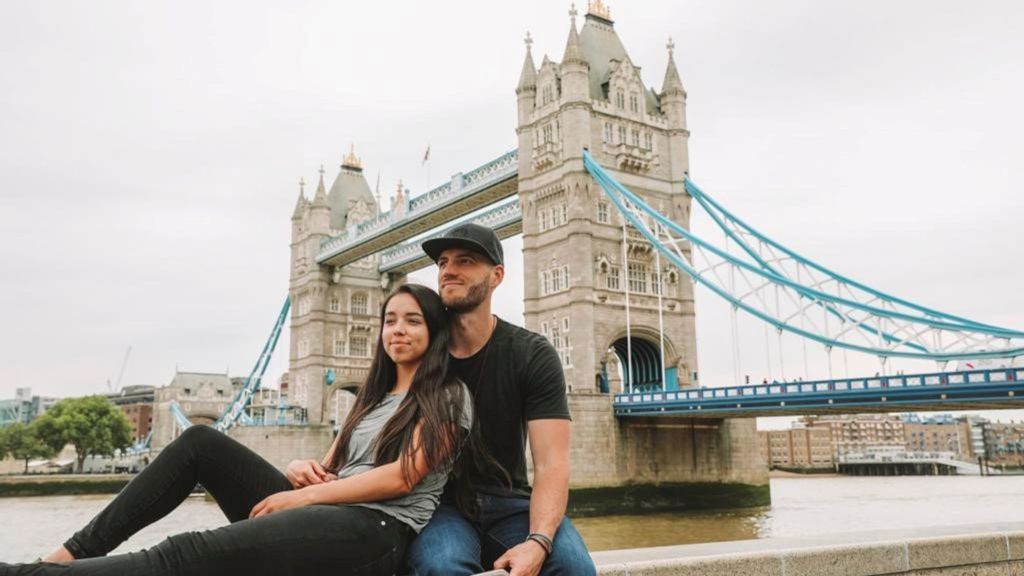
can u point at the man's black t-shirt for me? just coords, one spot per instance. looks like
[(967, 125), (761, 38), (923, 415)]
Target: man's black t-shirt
[(516, 377)]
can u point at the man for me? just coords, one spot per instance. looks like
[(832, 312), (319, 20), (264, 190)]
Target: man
[(519, 392)]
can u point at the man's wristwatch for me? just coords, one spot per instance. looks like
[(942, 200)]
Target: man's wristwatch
[(543, 540)]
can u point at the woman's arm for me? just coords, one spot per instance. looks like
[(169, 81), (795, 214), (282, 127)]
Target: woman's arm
[(382, 482)]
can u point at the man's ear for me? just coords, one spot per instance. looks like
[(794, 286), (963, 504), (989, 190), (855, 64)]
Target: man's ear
[(497, 275)]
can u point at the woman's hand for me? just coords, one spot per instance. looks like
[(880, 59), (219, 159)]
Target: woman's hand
[(282, 501), (302, 473)]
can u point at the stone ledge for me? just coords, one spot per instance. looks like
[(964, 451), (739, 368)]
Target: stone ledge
[(962, 550)]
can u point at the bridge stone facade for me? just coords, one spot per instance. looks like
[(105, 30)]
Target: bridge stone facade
[(334, 308), (577, 267)]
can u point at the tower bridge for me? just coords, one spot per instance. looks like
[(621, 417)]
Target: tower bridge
[(598, 188)]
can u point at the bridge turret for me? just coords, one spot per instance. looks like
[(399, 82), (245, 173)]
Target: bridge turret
[(575, 69), (300, 204), (320, 210), (673, 106)]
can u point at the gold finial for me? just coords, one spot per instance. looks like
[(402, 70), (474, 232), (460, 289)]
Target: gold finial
[(671, 46), (528, 41), (599, 9), (573, 13), (302, 185), (351, 161)]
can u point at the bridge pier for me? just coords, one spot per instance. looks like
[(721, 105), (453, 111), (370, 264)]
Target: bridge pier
[(621, 465)]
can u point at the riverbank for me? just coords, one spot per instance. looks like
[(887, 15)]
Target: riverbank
[(62, 484)]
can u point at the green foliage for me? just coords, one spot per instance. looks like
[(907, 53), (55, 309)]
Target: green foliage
[(23, 443), (92, 424)]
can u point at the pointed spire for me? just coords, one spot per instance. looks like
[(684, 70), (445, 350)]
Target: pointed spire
[(528, 78), (573, 53), (672, 83), (320, 189), (300, 204), (320, 198)]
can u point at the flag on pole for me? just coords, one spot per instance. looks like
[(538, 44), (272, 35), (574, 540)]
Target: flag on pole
[(426, 155)]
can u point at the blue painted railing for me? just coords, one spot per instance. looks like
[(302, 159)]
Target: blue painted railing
[(995, 386), (503, 215)]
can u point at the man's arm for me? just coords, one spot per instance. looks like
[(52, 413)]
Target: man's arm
[(549, 445)]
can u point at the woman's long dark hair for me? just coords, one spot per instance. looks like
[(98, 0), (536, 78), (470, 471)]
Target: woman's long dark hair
[(435, 398)]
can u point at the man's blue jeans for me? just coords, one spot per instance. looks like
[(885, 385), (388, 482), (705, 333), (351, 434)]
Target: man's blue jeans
[(450, 545)]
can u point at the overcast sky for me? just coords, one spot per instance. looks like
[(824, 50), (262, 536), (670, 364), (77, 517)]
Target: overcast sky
[(150, 154)]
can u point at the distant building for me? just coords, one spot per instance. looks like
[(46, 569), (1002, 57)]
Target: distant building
[(1004, 443), (202, 396), (24, 407), (270, 406), (941, 433), (858, 432), (803, 448), (137, 404)]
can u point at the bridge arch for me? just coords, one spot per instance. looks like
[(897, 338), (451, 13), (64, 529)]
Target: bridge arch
[(647, 370), (338, 400)]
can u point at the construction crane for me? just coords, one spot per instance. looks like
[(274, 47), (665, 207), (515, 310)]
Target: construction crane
[(120, 374)]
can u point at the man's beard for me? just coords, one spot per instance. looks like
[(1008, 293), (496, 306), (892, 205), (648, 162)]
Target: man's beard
[(475, 295)]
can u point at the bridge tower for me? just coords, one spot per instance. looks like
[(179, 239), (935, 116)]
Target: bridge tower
[(577, 266), (334, 308), (576, 269)]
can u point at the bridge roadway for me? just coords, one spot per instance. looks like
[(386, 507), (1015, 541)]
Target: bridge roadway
[(464, 194), (993, 389)]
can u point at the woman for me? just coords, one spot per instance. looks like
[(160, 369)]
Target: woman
[(353, 513)]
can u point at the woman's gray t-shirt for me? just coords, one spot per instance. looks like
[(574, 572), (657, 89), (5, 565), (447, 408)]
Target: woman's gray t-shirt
[(416, 507)]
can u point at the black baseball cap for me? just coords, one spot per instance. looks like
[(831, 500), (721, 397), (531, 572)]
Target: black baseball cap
[(470, 236)]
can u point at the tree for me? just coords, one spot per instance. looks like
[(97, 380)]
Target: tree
[(92, 424), (22, 442)]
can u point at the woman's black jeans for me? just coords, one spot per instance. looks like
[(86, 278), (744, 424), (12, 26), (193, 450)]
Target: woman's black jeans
[(334, 539)]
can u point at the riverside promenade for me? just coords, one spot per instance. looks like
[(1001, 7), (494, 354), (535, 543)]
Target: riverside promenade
[(977, 550)]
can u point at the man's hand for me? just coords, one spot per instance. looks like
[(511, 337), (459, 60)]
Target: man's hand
[(281, 501), (302, 473), (524, 559)]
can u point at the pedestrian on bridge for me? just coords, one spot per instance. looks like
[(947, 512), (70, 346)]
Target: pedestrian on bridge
[(519, 393), (354, 512)]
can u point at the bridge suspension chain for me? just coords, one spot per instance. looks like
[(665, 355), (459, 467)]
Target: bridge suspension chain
[(866, 320)]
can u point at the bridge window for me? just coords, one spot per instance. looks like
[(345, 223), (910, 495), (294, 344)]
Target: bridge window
[(613, 278), (648, 141), (656, 283), (546, 131), (637, 277), (636, 138), (358, 345), (634, 105), (556, 333), (554, 280), (335, 305), (547, 94), (620, 99), (339, 347), (608, 132), (602, 212), (359, 304), (622, 134)]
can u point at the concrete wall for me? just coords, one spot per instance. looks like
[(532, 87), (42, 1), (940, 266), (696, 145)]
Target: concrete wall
[(282, 444), (609, 452), (994, 553)]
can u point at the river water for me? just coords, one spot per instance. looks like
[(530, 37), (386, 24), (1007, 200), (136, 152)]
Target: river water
[(800, 507)]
